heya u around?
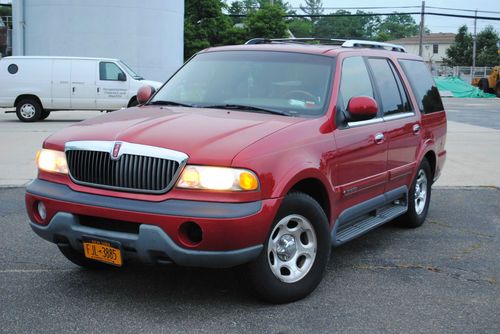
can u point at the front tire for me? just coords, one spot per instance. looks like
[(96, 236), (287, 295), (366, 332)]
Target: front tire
[(419, 197), (29, 110), (295, 253)]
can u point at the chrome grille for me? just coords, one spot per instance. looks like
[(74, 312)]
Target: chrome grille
[(127, 172)]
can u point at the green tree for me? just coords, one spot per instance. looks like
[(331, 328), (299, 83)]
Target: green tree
[(487, 47), (267, 22), (347, 26), (460, 53), (301, 27), (397, 26), (204, 25), (5, 10), (313, 7)]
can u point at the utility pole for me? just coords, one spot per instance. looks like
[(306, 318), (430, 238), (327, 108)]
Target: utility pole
[(421, 39), (474, 48), (272, 2)]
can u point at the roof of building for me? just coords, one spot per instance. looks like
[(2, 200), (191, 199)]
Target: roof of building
[(436, 38)]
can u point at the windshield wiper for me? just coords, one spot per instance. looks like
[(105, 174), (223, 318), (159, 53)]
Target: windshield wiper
[(170, 103), (250, 108)]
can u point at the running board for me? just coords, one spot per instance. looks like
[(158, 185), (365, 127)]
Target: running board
[(368, 215)]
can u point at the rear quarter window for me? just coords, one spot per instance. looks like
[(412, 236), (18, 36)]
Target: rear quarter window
[(423, 86)]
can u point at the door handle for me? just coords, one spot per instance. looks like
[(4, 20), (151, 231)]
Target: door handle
[(73, 89), (98, 89), (416, 129), (379, 138)]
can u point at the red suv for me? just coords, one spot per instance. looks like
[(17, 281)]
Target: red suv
[(264, 154)]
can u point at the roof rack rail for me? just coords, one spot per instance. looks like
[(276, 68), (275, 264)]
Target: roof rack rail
[(353, 43), (346, 43)]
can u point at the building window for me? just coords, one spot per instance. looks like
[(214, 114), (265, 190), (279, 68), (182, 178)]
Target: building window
[(435, 48)]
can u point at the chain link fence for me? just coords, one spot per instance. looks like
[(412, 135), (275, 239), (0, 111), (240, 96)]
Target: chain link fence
[(466, 73)]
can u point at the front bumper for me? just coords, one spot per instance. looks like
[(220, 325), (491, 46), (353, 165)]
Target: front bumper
[(233, 233)]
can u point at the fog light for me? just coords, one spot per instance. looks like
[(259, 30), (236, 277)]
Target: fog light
[(42, 211)]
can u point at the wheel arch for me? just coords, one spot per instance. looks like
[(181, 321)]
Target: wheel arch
[(432, 159), (27, 96), (316, 189)]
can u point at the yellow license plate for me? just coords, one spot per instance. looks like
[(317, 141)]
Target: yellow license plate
[(102, 251)]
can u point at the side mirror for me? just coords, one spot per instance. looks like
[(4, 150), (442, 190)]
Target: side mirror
[(362, 108), (144, 94), (122, 77)]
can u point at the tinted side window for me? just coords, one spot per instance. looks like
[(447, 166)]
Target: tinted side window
[(355, 80), (109, 71), (392, 93), (423, 86)]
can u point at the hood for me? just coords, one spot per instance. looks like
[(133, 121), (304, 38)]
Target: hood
[(154, 84), (207, 136)]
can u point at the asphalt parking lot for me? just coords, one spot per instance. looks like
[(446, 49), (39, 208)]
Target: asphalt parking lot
[(441, 278)]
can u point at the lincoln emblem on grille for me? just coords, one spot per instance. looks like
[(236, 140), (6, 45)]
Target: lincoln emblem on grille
[(115, 154)]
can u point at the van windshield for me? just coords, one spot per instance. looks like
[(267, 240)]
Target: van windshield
[(293, 84), (130, 71)]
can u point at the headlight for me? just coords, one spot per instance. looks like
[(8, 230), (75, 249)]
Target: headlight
[(218, 178), (52, 161)]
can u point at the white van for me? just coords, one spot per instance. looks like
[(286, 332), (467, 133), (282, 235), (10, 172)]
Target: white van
[(35, 86)]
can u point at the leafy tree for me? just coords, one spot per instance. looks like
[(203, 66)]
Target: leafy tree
[(347, 26), (460, 53), (5, 10), (313, 7), (397, 26), (204, 25), (301, 27), (267, 22), (486, 47)]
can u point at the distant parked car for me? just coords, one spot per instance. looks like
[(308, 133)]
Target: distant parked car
[(3, 38), (35, 86)]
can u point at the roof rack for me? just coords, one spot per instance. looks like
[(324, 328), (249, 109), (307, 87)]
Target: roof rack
[(346, 43)]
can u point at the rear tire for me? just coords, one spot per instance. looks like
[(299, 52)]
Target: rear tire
[(295, 253), (29, 110), (45, 114), (80, 260), (419, 197)]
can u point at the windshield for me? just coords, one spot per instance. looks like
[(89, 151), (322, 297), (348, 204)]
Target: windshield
[(130, 71), (292, 83)]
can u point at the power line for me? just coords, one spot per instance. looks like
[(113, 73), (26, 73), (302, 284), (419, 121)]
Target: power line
[(378, 7), (464, 10), (491, 18)]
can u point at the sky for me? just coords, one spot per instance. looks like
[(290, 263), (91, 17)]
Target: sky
[(434, 23)]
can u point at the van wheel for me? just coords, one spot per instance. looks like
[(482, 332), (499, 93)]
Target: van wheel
[(419, 197), (45, 114), (29, 110), (295, 252), (80, 260)]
